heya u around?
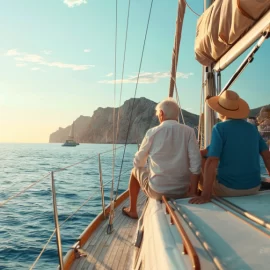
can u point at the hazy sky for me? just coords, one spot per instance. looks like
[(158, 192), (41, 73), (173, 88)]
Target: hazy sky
[(57, 61)]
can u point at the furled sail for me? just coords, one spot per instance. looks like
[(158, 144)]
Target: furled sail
[(240, 16), (222, 24)]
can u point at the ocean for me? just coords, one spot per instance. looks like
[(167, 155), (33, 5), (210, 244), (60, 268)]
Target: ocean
[(27, 222)]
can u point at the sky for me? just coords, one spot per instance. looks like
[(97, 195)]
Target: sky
[(58, 62)]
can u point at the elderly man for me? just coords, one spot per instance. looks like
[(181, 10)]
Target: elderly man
[(174, 160), (233, 152)]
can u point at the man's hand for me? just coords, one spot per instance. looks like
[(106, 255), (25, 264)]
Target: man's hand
[(200, 200)]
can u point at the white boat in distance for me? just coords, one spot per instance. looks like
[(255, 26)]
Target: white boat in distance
[(70, 141)]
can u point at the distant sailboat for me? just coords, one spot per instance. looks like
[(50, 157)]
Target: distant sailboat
[(70, 141)]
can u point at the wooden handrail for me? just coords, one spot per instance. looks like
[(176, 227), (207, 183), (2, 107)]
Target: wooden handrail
[(187, 245)]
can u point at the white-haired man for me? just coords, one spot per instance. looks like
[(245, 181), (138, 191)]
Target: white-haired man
[(174, 160)]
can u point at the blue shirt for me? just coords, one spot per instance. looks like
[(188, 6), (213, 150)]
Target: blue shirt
[(237, 144)]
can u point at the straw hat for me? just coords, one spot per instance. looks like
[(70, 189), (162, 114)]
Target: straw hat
[(229, 104)]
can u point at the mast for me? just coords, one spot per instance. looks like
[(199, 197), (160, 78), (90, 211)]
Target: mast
[(177, 38), (209, 89), (71, 133)]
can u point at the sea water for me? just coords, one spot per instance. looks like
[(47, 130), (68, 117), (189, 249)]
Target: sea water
[(27, 222)]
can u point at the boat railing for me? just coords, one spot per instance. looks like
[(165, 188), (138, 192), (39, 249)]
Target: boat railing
[(93, 196), (200, 237)]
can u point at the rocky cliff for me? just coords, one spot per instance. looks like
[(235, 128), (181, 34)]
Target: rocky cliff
[(81, 124), (256, 111), (99, 127)]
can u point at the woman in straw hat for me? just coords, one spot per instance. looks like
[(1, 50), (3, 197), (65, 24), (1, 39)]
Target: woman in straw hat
[(233, 152)]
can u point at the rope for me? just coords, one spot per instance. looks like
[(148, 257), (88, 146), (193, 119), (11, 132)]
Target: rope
[(24, 190), (192, 9), (135, 93), (42, 251)]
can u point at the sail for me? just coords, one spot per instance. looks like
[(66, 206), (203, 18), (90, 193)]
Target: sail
[(261, 27), (238, 16), (71, 133), (222, 24)]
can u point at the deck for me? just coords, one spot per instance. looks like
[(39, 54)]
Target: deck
[(113, 251)]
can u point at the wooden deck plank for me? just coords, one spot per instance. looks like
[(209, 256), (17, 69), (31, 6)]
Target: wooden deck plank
[(113, 254), (90, 244), (78, 264), (125, 245), (130, 255), (113, 251), (111, 246), (100, 255), (96, 261), (126, 242), (122, 245), (101, 264)]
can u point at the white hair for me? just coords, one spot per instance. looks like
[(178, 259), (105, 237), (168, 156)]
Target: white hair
[(169, 107)]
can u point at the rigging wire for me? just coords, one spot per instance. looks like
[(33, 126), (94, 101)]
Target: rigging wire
[(69, 217), (123, 71), (23, 190), (176, 93), (179, 104), (135, 93), (39, 180), (87, 200), (109, 229), (177, 99), (42, 251), (77, 163), (123, 68), (192, 10)]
